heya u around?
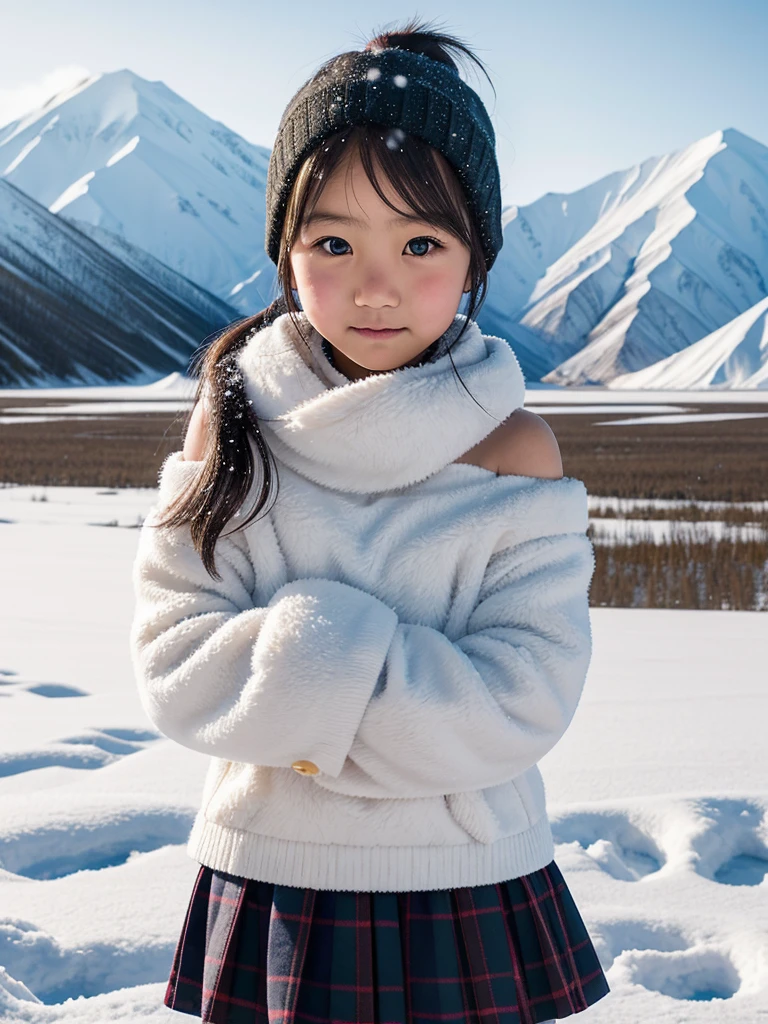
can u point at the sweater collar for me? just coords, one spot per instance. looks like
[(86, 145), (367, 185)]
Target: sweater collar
[(385, 431)]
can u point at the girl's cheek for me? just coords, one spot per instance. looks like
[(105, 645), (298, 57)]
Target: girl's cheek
[(435, 287), (323, 285), (321, 274)]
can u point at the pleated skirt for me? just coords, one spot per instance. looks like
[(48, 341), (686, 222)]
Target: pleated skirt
[(514, 952)]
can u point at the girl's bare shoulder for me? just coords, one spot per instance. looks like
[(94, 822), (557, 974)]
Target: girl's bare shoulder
[(523, 445), (197, 432)]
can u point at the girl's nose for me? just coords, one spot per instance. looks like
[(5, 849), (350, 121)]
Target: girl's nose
[(377, 288)]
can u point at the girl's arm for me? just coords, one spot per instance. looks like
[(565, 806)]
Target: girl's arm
[(268, 685), (326, 672), (473, 713)]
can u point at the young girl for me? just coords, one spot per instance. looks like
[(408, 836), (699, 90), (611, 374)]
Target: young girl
[(376, 662)]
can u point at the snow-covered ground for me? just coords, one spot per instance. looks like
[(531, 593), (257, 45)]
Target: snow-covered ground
[(658, 793)]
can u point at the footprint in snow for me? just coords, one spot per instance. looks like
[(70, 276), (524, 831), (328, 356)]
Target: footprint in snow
[(615, 843), (612, 938), (665, 959), (89, 844), (39, 969), (55, 690), (731, 846), (92, 749), (41, 689), (5, 680), (700, 973)]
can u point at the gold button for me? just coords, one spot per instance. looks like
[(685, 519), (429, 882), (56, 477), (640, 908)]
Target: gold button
[(305, 767)]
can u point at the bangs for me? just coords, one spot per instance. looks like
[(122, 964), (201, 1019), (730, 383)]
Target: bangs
[(420, 175)]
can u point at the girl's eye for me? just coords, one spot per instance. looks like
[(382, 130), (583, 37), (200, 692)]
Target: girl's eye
[(422, 240), (332, 238)]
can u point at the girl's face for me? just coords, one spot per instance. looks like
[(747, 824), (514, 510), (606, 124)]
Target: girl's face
[(356, 263)]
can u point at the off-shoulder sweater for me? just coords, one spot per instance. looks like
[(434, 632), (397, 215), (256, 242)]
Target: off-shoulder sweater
[(391, 649)]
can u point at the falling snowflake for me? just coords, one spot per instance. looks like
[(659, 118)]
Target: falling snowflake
[(401, 81), (395, 138), (373, 74)]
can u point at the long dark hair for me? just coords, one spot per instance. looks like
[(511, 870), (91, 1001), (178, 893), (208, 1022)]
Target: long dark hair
[(414, 171)]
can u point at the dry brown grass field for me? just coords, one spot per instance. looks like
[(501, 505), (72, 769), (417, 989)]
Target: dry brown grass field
[(720, 460)]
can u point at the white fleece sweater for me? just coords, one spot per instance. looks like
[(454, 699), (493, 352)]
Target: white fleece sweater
[(418, 629)]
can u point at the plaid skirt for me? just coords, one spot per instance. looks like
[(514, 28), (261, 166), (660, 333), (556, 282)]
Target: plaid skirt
[(514, 952)]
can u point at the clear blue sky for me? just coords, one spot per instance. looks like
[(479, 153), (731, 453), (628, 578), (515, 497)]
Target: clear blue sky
[(583, 88)]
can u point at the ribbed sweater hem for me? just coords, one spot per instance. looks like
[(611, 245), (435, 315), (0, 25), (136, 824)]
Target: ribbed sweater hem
[(369, 868)]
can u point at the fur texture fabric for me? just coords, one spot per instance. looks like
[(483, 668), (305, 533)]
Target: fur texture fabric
[(417, 628)]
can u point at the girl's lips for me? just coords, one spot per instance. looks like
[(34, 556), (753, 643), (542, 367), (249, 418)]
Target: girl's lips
[(367, 332)]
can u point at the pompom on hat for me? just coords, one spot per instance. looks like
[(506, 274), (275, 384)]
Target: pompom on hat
[(398, 89)]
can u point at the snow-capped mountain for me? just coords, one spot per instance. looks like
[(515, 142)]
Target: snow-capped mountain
[(642, 264), (590, 287), (72, 313), (121, 154), (735, 356)]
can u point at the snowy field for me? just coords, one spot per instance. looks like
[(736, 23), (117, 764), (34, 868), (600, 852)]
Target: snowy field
[(658, 793)]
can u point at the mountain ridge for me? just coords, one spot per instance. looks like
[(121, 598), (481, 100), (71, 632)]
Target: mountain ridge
[(591, 287)]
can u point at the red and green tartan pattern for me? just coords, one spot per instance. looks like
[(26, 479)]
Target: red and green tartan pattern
[(253, 952)]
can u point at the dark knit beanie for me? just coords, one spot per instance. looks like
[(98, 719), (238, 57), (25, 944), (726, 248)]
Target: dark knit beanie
[(401, 89)]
